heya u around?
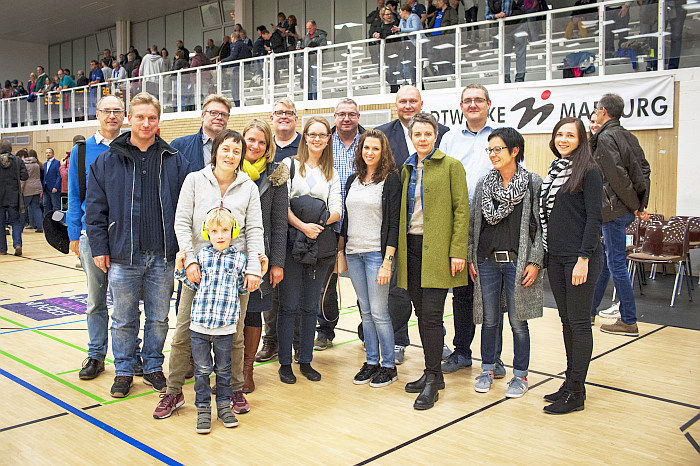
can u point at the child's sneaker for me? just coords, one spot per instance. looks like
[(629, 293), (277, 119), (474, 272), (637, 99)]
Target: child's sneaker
[(516, 387), (483, 382), (203, 420), (225, 415)]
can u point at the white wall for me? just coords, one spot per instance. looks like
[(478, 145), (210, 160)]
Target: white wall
[(21, 58)]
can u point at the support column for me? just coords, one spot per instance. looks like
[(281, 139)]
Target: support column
[(123, 40)]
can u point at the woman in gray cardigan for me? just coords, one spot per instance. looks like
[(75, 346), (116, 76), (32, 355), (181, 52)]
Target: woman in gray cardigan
[(506, 254)]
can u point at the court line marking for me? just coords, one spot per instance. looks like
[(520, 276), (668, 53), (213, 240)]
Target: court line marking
[(94, 421), (51, 376), (28, 423), (43, 326), (691, 422), (3, 282), (491, 405)]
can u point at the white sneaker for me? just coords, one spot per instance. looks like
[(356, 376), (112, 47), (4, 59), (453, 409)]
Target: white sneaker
[(613, 312)]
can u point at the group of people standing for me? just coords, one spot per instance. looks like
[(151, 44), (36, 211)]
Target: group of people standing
[(254, 222)]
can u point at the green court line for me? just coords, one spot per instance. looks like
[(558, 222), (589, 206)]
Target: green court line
[(51, 337), (51, 376)]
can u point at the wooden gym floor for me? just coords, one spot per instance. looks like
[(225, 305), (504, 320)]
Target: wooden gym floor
[(643, 403)]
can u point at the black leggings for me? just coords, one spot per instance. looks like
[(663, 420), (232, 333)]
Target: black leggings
[(574, 303), (253, 319), (429, 304)]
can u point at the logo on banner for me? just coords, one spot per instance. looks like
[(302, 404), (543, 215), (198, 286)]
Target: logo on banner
[(531, 112), (52, 308)]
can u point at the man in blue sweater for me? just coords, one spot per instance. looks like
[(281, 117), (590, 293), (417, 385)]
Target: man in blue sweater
[(110, 114)]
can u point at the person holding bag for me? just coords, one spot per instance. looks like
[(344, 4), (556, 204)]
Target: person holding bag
[(315, 203), (370, 234)]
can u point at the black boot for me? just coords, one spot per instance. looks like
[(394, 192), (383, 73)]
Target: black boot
[(419, 385), (429, 395), (552, 397), (569, 401)]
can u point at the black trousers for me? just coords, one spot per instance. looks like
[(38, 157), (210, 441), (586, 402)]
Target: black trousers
[(429, 304), (574, 304)]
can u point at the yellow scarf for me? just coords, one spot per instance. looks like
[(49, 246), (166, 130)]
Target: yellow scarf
[(255, 169)]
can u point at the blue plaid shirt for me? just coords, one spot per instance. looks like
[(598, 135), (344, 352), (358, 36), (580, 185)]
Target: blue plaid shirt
[(216, 302), (343, 158), (412, 161)]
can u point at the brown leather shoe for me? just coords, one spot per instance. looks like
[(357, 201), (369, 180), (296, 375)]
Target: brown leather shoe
[(621, 328), (268, 351), (18, 251), (251, 340)]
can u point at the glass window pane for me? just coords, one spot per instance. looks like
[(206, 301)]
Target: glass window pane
[(173, 31), (193, 29), (54, 59), (91, 52), (139, 36), (321, 13), (156, 32), (348, 21), (66, 55), (229, 11), (211, 16), (103, 41), (264, 12), (78, 56)]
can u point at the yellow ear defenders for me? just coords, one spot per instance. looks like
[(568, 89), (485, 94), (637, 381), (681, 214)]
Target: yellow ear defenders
[(235, 229)]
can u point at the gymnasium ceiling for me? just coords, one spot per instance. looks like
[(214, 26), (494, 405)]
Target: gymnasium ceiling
[(52, 21)]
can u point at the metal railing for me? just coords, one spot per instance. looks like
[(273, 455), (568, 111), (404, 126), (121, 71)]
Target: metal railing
[(650, 36)]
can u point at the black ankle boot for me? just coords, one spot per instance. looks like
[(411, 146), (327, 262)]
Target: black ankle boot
[(286, 374), (419, 385), (429, 395), (569, 402), (552, 397), (309, 372)]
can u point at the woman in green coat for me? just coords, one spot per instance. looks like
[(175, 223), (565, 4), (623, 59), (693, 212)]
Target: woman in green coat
[(434, 224)]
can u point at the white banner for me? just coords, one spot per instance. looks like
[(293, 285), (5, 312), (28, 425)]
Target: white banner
[(648, 104)]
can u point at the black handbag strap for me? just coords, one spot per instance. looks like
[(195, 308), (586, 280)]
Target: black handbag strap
[(82, 171)]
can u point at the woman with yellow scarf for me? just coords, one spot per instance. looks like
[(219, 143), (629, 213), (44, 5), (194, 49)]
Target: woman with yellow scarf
[(271, 178)]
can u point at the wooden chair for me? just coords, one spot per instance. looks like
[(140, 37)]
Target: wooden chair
[(667, 244)]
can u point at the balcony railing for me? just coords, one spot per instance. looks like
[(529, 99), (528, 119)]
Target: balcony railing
[(653, 36)]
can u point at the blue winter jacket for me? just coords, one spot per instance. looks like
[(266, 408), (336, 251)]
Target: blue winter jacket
[(191, 147), (113, 207)]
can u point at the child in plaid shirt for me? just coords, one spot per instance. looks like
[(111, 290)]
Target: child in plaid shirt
[(215, 313)]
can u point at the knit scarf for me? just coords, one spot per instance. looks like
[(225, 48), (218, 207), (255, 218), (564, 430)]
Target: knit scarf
[(255, 169), (558, 174), (507, 197)]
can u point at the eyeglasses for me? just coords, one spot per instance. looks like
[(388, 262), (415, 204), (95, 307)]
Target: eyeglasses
[(287, 113), (115, 112), (343, 115), (496, 150), (477, 101), (216, 114), (317, 135)]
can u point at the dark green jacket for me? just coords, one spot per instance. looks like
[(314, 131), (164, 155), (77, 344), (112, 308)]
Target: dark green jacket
[(445, 222)]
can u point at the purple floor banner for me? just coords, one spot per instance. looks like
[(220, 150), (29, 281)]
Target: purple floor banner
[(52, 308)]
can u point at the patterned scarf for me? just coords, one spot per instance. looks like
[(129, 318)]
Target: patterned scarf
[(507, 197), (255, 169), (558, 174)]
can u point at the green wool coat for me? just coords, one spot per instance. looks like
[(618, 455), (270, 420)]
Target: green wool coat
[(445, 222)]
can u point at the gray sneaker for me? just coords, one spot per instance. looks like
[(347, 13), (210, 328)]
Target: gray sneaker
[(454, 363), (499, 371), (398, 354), (446, 351), (322, 343), (483, 382), (516, 387)]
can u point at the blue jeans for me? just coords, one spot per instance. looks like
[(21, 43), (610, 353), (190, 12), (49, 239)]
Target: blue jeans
[(202, 346), (300, 289), (496, 278), (10, 216), (52, 201), (615, 264), (150, 276), (32, 204), (374, 306)]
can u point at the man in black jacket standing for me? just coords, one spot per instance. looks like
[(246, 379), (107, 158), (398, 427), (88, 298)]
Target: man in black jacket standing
[(12, 171), (625, 194)]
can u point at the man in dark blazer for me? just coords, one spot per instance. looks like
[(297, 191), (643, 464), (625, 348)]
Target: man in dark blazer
[(408, 103), (51, 183)]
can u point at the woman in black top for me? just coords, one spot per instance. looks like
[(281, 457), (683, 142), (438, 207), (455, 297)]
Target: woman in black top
[(370, 235), (393, 47), (505, 256), (571, 217)]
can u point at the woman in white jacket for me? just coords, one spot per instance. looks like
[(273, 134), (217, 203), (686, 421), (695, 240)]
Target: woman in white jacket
[(220, 184)]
